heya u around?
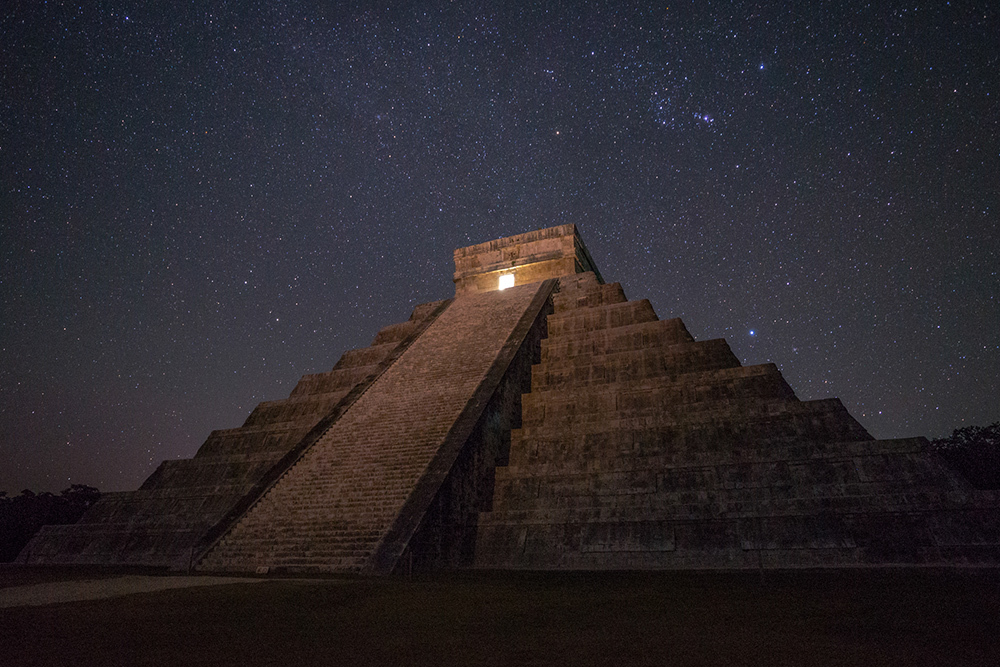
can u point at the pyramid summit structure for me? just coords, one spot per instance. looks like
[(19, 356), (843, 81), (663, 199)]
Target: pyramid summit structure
[(540, 420)]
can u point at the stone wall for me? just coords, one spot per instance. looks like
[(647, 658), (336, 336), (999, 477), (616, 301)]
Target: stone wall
[(531, 257)]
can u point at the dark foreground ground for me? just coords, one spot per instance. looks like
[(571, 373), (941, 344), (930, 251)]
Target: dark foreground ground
[(806, 618)]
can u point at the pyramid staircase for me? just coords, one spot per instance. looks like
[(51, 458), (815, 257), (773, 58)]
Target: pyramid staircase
[(360, 494)]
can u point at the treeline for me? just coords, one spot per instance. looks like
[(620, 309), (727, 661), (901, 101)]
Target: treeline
[(974, 451), (21, 516)]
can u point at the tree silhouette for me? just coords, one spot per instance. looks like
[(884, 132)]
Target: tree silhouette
[(974, 451), (21, 516)]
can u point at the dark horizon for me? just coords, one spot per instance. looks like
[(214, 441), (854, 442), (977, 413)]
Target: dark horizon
[(201, 204)]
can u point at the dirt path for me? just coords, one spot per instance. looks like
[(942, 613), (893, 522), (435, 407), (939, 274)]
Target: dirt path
[(95, 589)]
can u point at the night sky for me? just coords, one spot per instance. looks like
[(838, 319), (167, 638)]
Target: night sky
[(200, 202)]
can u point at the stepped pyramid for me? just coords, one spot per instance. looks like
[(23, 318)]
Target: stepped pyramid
[(540, 420)]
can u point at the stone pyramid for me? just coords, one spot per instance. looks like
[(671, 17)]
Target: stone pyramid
[(552, 424)]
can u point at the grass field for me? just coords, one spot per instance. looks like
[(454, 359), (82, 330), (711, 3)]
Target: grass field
[(888, 617)]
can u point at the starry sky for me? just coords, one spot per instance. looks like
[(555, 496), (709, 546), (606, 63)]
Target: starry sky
[(202, 201)]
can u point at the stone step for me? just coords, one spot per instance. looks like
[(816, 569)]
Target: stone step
[(208, 473), (394, 333), (658, 362), (694, 383), (724, 504), (294, 549), (638, 411), (342, 379), (244, 457), (763, 381), (792, 424), (604, 317), (575, 285), (590, 296), (626, 338), (708, 440), (126, 544), (200, 504), (365, 356), (618, 492), (310, 407), (424, 310), (595, 414), (253, 439), (624, 450), (876, 537)]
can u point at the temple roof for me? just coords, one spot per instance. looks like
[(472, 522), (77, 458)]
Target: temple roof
[(531, 257)]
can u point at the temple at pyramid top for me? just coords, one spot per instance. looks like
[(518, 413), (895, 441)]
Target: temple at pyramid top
[(522, 259)]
